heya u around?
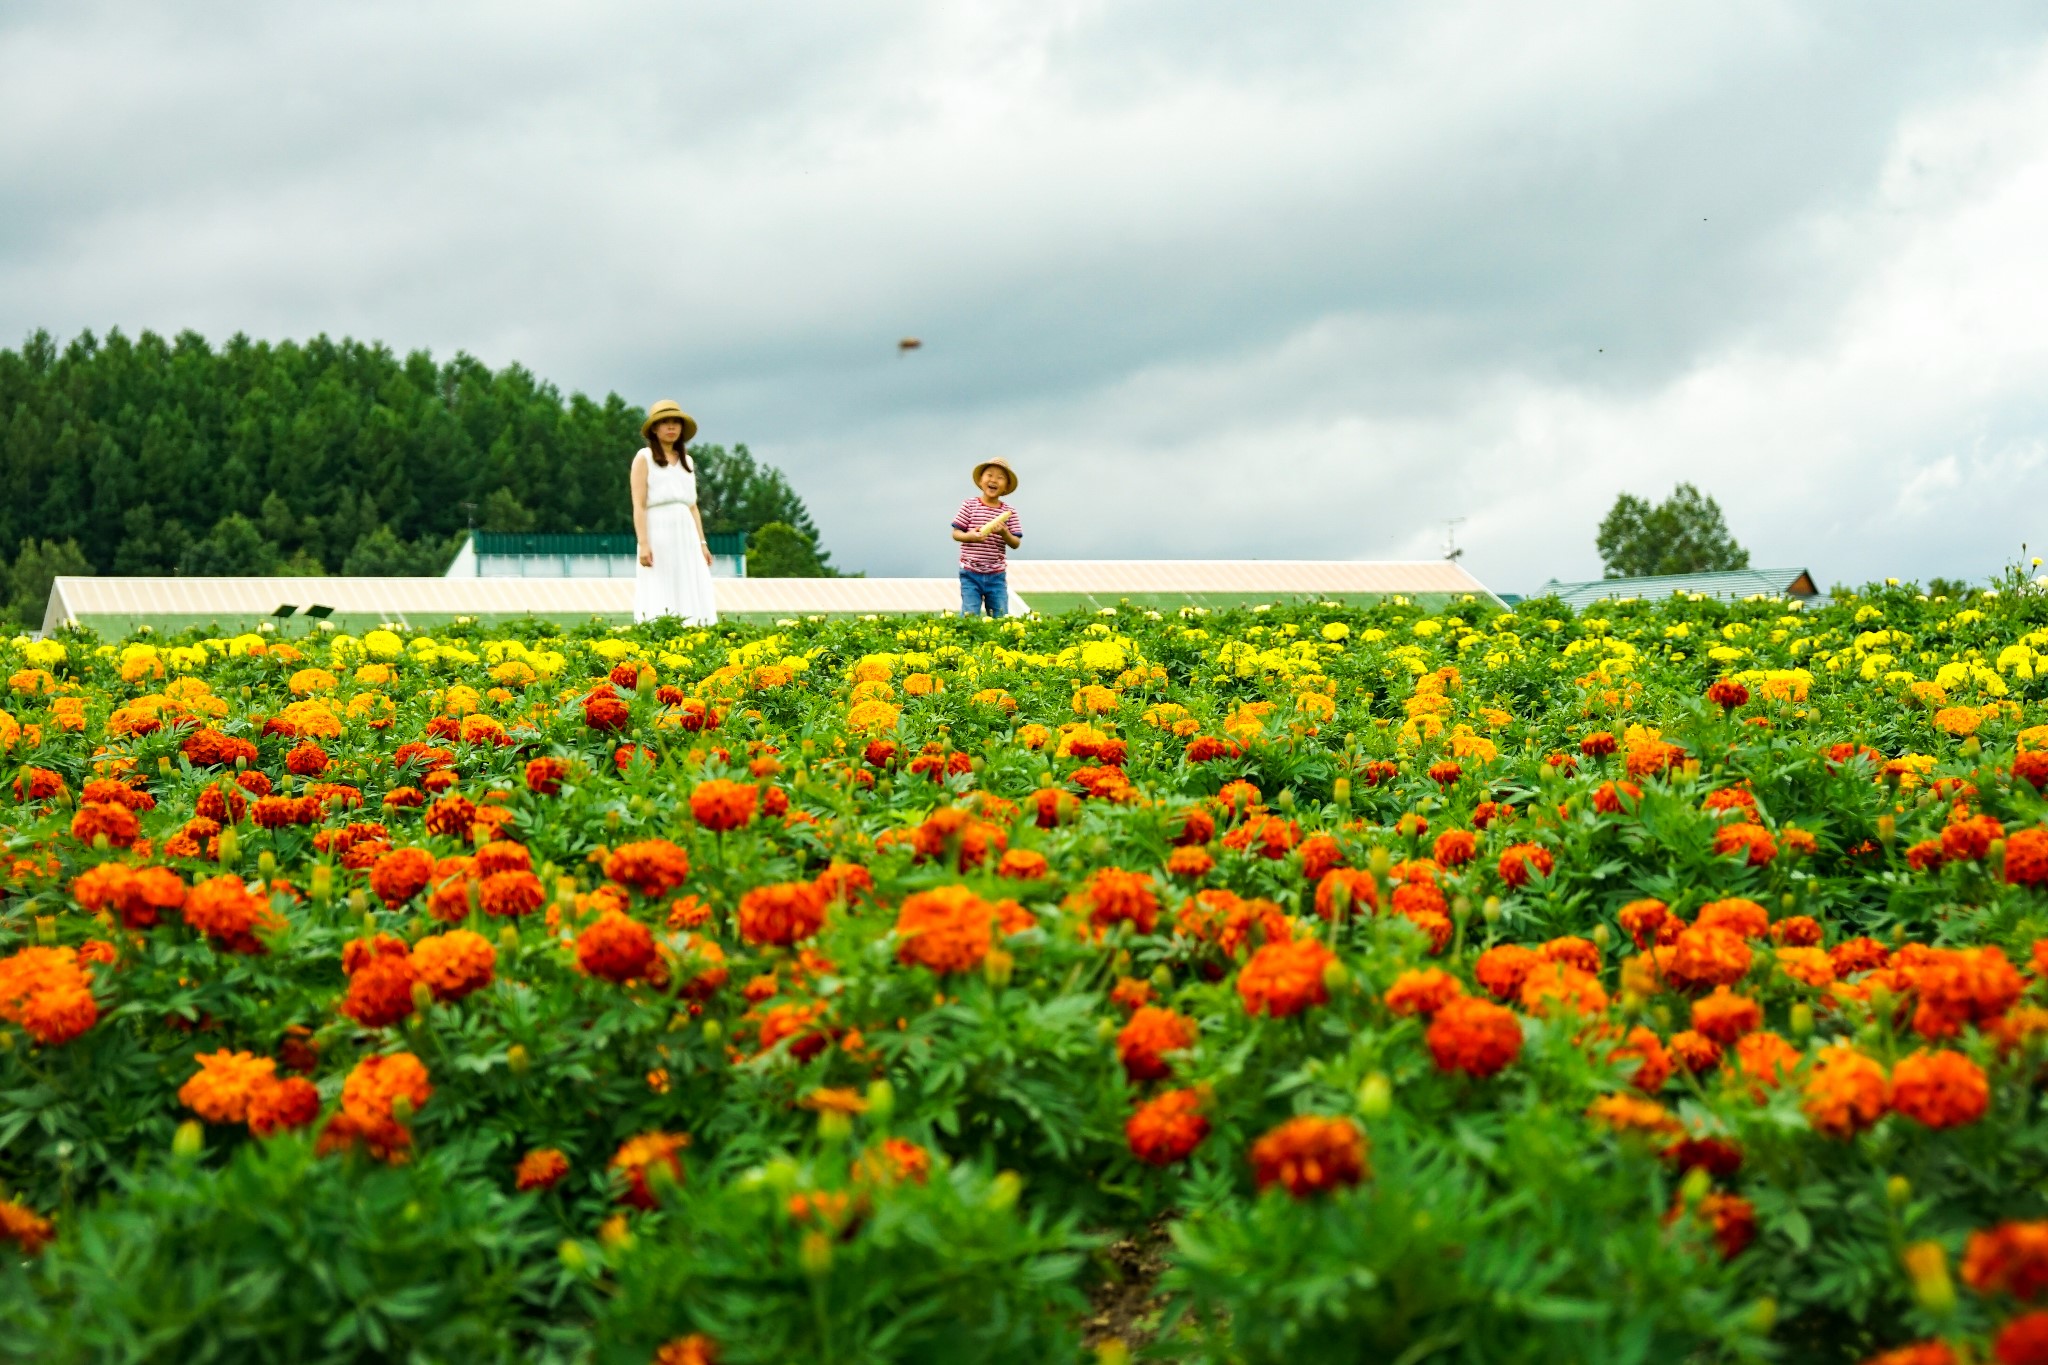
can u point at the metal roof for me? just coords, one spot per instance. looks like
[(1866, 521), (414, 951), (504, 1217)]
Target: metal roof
[(587, 543), (1056, 584), (121, 604), (1730, 583)]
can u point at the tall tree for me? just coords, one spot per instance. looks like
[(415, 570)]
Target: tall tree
[(1683, 534)]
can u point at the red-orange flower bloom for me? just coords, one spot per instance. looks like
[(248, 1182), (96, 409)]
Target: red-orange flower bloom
[(1285, 978), (782, 914), (949, 929), (720, 806), (1474, 1036), (1144, 1042), (1309, 1155), (1940, 1089), (1167, 1128), (616, 947), (1845, 1092)]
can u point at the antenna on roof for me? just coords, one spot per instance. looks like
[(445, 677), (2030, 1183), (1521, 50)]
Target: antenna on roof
[(1452, 550)]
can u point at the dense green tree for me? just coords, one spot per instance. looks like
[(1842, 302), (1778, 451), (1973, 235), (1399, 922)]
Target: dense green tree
[(779, 550), (1683, 534), (142, 450), (35, 568), (380, 554)]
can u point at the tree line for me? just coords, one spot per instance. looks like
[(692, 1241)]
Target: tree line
[(174, 456)]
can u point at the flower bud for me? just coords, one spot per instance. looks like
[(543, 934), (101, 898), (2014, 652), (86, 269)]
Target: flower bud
[(163, 765), (1461, 908), (266, 863), (1380, 862), (815, 1254), (834, 1127), (1696, 1185), (615, 1233), (1887, 830), (1973, 746), (46, 929), (1898, 1190), (1490, 910), (422, 996), (1927, 1267), (1763, 1315), (401, 1109), (1801, 1021), (713, 1030), (572, 1255), (1375, 1095), (1112, 1351), (358, 901), (1004, 1189), (322, 879), (508, 939), (1335, 977), (1602, 935), (1340, 792), (1788, 902), (101, 843), (517, 1060), (186, 1142), (1285, 800), (881, 1097), (997, 967)]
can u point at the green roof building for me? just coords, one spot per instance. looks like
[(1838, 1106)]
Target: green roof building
[(1732, 584)]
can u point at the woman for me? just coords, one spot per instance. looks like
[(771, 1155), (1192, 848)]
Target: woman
[(674, 577)]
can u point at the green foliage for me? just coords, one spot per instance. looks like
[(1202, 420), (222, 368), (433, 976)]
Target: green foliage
[(282, 1256), (950, 1272), (27, 584), (1683, 534), (779, 550), (157, 455)]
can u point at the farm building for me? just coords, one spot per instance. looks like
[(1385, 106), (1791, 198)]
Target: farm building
[(114, 606), (496, 554), (1733, 584)]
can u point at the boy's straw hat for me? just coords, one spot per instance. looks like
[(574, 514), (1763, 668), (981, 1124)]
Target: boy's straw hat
[(664, 410), (1001, 464)]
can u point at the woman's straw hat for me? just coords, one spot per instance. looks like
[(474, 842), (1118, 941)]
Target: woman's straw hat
[(1001, 464), (662, 412)]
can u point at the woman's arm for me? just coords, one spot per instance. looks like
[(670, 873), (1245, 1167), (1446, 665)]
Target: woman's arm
[(639, 483), (703, 541)]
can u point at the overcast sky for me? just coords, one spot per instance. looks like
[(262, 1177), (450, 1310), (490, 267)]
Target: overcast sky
[(1292, 280)]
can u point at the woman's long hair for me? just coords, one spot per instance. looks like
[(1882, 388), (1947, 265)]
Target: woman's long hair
[(654, 445)]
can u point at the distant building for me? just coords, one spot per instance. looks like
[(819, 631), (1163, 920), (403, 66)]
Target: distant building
[(1733, 584), (497, 554)]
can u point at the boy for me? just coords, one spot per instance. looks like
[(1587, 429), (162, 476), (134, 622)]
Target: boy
[(987, 529)]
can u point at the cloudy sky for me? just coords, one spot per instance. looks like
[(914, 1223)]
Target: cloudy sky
[(1282, 281)]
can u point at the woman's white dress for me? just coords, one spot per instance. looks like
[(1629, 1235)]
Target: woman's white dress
[(679, 583)]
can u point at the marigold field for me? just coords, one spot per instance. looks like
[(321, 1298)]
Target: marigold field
[(1310, 984)]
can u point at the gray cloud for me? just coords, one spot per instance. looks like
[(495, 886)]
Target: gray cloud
[(1227, 280)]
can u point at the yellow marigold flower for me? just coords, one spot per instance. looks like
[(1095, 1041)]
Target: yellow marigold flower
[(310, 680), (514, 673), (383, 644), (1094, 700), (871, 717), (922, 685), (1960, 721)]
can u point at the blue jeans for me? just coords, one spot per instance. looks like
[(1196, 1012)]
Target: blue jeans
[(978, 590)]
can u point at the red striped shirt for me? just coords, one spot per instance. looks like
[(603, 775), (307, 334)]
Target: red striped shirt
[(991, 555)]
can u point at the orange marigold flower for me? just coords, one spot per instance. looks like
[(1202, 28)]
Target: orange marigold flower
[(1631, 1114), (1319, 853), (1731, 1217), (1193, 863), (1725, 1016), (1727, 694), (1959, 986), (844, 883), (1114, 894), (1503, 968), (1845, 1092), (1520, 862), (1598, 744), (1970, 838), (1455, 847), (1653, 1063), (2026, 857), (1268, 836), (1696, 1052), (293, 1102), (380, 992), (1572, 951), (1809, 966), (896, 1161), (451, 815), (1702, 957), (541, 1169), (226, 911), (694, 1349), (1559, 984), (1474, 1036), (1283, 979), (652, 867), (1920, 1352), (377, 1086), (1763, 1057), (783, 914), (1309, 1155), (1752, 842), (1615, 798), (2011, 1258), (1744, 918), (1422, 991), (719, 805), (1152, 1033), (48, 992), (139, 895), (637, 1157), (616, 947), (1940, 1089), (220, 1090), (510, 894), (2024, 1340), (399, 875), (1345, 889), (455, 963), (1166, 1128), (1195, 826), (116, 822), (949, 929), (25, 1227)]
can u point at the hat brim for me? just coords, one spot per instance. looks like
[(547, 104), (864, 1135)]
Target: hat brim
[(689, 424), (1008, 472)]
